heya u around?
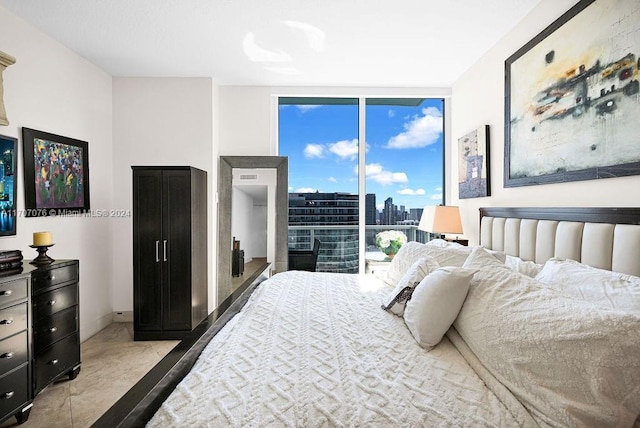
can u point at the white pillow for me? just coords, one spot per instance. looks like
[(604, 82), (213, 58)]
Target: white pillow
[(435, 304), (396, 300), (528, 267), (568, 361), (605, 288), (412, 251), (439, 242)]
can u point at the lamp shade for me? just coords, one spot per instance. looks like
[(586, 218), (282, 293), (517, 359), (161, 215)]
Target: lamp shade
[(441, 219)]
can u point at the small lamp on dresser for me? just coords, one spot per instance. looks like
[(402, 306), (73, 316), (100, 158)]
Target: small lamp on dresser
[(441, 219)]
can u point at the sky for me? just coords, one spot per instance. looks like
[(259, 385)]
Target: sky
[(403, 157)]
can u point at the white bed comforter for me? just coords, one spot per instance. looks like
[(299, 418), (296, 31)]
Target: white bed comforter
[(316, 349)]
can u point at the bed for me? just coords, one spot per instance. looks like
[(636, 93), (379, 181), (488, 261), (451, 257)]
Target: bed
[(537, 326)]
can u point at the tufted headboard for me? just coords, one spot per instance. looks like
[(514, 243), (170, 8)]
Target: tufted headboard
[(606, 238)]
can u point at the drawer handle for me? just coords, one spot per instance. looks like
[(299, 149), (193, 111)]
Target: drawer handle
[(53, 329), (6, 322), (53, 362), (8, 395), (6, 292), (51, 277), (51, 302), (7, 355)]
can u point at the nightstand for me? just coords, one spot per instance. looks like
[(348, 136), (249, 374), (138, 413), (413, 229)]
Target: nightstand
[(464, 242)]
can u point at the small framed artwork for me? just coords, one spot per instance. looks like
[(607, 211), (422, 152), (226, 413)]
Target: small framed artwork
[(473, 164), (56, 174), (572, 98), (8, 185)]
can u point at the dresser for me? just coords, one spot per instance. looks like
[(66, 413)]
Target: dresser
[(56, 334), (15, 355)]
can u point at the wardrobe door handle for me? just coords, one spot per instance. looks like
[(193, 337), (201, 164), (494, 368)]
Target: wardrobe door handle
[(6, 322), (7, 355), (6, 292), (8, 395), (164, 246), (157, 252)]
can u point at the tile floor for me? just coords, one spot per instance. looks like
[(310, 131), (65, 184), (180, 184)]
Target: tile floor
[(111, 364)]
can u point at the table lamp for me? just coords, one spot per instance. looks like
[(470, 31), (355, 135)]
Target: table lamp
[(441, 219)]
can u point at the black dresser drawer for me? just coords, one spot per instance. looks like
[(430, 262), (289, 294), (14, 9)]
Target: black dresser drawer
[(14, 390), (43, 279), (13, 352), (13, 291), (56, 360), (13, 320), (51, 329), (54, 301)]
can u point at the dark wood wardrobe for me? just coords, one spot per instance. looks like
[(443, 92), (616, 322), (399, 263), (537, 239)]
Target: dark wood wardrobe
[(169, 251)]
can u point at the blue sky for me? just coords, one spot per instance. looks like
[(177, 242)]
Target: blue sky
[(403, 157)]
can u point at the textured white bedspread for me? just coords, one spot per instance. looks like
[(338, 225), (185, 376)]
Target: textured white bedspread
[(315, 350)]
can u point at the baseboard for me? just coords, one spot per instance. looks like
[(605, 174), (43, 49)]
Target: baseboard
[(95, 326), (123, 316)]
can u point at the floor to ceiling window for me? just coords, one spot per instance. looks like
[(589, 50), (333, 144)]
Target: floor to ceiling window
[(403, 171)]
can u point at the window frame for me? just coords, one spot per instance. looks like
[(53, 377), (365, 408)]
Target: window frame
[(362, 94)]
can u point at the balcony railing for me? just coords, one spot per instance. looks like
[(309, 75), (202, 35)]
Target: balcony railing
[(339, 251)]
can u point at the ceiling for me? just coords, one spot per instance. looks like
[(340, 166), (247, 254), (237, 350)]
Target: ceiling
[(378, 43)]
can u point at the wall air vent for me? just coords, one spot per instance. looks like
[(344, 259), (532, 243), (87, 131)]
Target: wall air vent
[(248, 176)]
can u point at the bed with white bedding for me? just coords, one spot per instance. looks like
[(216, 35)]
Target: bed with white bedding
[(315, 349), (509, 334)]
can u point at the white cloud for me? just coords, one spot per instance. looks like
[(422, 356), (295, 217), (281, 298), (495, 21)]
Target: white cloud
[(420, 131), (307, 107), (332, 179), (391, 113), (305, 190), (345, 149), (411, 192), (380, 206), (377, 173), (314, 151), (437, 195)]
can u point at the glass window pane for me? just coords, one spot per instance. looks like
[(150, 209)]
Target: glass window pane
[(320, 137), (404, 166)]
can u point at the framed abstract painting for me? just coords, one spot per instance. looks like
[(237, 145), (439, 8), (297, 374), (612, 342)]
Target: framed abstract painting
[(473, 164), (56, 174), (572, 109)]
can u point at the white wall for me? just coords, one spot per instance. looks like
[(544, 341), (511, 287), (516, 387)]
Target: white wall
[(245, 121), (241, 218), (478, 99), (258, 237), (261, 227), (158, 121), (51, 89)]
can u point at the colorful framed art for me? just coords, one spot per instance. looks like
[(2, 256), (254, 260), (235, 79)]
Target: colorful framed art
[(56, 174)]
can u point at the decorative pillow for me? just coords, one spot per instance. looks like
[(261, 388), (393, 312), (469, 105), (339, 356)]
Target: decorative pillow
[(412, 251), (528, 267), (435, 304), (570, 362), (438, 242), (396, 300), (605, 288)]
